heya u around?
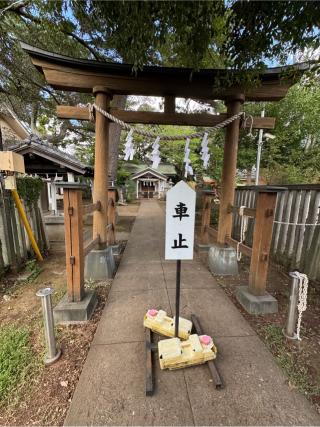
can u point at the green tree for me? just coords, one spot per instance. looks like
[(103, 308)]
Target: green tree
[(294, 154), (297, 143)]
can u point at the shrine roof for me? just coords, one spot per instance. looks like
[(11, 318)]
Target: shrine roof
[(50, 153), (15, 128), (151, 171), (163, 168)]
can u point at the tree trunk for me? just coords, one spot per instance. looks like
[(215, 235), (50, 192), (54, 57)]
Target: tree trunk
[(33, 119), (119, 101)]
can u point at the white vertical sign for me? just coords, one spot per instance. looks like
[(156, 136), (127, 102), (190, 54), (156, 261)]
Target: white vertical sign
[(180, 215)]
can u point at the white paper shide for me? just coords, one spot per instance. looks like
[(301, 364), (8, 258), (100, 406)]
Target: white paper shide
[(180, 215)]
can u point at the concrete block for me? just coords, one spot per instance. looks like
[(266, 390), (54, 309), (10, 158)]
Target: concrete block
[(74, 312), (54, 219), (116, 249), (99, 264), (201, 247), (222, 260), (253, 304), (55, 228)]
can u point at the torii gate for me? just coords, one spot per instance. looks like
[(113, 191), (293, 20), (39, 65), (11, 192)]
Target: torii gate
[(105, 79)]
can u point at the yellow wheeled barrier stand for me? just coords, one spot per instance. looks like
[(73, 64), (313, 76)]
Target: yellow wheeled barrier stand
[(176, 354), (159, 322)]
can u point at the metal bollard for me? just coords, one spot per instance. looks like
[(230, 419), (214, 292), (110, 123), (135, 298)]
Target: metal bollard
[(53, 353), (290, 328)]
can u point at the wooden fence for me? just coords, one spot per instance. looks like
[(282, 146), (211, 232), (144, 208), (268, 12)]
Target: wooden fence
[(15, 246), (294, 245)]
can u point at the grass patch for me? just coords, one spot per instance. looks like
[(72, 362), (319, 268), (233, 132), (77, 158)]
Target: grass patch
[(32, 267), (297, 374), (17, 360), (58, 295)]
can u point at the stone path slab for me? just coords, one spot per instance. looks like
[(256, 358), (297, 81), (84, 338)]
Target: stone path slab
[(111, 389)]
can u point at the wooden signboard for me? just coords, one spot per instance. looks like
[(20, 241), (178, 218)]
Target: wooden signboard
[(180, 217)]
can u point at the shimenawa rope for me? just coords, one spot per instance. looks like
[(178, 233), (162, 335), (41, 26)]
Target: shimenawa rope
[(128, 127)]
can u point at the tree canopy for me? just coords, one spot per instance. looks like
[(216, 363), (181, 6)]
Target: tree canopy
[(197, 34)]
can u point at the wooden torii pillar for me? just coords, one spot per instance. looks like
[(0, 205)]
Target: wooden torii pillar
[(100, 183), (229, 169)]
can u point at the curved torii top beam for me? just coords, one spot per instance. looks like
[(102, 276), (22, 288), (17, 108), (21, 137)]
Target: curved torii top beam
[(66, 73)]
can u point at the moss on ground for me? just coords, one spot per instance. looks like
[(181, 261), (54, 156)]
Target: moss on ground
[(298, 375)]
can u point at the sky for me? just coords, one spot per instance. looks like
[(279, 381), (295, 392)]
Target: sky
[(156, 103)]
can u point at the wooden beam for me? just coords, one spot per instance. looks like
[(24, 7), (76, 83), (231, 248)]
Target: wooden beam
[(111, 235), (211, 365), (169, 104), (150, 117), (246, 250), (87, 209), (149, 368), (213, 233), (63, 72), (82, 80), (70, 112), (73, 226), (262, 236), (247, 211), (205, 218)]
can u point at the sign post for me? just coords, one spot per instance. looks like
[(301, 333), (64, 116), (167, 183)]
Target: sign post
[(180, 217), (178, 275)]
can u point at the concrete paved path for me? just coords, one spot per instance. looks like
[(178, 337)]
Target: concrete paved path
[(111, 389)]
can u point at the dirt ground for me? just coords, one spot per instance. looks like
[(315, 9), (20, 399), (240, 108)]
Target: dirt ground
[(300, 360), (45, 397)]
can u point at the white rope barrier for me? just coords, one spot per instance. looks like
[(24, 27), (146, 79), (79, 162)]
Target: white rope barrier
[(243, 230), (297, 223), (302, 302)]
